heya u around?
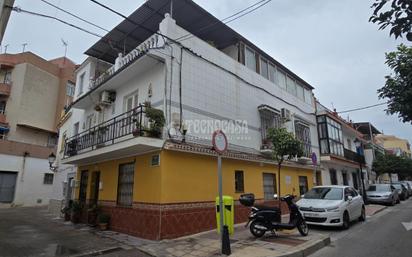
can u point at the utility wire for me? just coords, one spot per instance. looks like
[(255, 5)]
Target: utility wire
[(20, 10), (74, 15), (189, 35), (362, 108)]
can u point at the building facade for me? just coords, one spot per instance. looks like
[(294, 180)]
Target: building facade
[(342, 161), (162, 183), (395, 145), (33, 91)]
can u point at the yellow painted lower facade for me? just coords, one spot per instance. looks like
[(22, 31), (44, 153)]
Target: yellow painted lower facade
[(184, 177)]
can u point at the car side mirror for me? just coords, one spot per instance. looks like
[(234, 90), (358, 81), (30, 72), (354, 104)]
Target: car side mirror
[(349, 198), (275, 196), (302, 196)]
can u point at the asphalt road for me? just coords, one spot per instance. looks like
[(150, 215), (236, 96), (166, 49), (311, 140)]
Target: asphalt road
[(33, 232), (382, 235)]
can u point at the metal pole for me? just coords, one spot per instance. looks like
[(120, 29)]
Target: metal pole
[(365, 199), (220, 184)]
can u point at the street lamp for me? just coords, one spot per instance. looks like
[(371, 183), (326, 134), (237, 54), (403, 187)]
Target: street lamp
[(358, 145), (52, 159)]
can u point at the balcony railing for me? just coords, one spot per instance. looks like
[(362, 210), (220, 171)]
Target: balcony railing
[(152, 42), (353, 156), (132, 122)]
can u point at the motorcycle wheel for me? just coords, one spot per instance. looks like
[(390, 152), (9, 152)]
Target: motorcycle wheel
[(255, 231), (303, 228)]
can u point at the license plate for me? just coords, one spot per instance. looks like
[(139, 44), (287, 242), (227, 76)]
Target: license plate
[(311, 215)]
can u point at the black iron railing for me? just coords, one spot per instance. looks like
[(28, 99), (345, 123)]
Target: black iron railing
[(131, 122), (353, 156)]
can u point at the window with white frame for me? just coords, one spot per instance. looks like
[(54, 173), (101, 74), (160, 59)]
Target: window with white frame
[(81, 83), (272, 73), (308, 96), (290, 85), (300, 92), (125, 184), (250, 58), (264, 68), (302, 132), (269, 185), (131, 101), (70, 89), (281, 79)]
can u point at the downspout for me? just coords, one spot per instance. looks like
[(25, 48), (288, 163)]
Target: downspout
[(23, 166), (180, 88)]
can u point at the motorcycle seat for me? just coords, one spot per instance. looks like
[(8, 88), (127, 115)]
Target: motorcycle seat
[(267, 208)]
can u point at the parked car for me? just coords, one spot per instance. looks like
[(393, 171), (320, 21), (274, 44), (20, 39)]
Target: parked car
[(332, 206), (383, 194), (402, 191), (408, 186)]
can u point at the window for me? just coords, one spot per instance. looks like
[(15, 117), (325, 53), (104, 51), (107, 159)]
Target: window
[(2, 107), (303, 185), (290, 85), (76, 129), (269, 120), (70, 89), (7, 77), (308, 96), (250, 59), (281, 79), (345, 178), (52, 141), (81, 83), (89, 121), (330, 136), (125, 184), (48, 178), (302, 132), (155, 160), (333, 177), (239, 182), (269, 185), (131, 101), (349, 141), (300, 93), (264, 68), (272, 73)]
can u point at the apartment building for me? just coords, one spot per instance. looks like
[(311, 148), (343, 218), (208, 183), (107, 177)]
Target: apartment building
[(395, 145), (33, 92), (341, 149), (159, 180)]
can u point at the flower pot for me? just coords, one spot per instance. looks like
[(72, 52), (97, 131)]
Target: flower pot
[(103, 226), (67, 216), (136, 132), (75, 217)]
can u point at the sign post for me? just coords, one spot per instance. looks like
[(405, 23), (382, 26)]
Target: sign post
[(220, 144)]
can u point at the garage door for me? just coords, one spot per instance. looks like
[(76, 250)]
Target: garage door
[(7, 186)]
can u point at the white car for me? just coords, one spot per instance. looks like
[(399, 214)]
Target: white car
[(332, 206)]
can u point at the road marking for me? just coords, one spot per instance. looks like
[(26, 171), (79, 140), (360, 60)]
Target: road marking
[(407, 225)]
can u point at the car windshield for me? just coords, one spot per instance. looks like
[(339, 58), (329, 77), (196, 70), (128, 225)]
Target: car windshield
[(325, 193), (379, 188), (397, 186)]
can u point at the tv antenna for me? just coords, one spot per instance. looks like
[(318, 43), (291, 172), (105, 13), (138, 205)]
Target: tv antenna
[(24, 47), (5, 48), (65, 44)]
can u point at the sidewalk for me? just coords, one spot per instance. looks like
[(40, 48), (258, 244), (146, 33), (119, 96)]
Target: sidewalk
[(286, 243), (373, 209)]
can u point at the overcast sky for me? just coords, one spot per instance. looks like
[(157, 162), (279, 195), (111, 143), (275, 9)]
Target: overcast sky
[(330, 44)]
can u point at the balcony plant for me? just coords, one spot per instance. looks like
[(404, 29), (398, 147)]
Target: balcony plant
[(156, 121), (76, 210), (103, 220)]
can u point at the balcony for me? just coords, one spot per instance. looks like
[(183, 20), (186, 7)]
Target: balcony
[(124, 135), (3, 117), (5, 89), (353, 156)]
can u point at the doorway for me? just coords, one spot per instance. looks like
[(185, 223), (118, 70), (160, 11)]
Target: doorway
[(7, 186), (95, 186)]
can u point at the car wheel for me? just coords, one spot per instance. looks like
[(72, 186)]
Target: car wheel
[(363, 214), (345, 220), (256, 230)]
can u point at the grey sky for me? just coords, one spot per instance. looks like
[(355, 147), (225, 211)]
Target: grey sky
[(328, 43)]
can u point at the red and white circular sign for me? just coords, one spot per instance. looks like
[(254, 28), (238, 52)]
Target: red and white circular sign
[(219, 141)]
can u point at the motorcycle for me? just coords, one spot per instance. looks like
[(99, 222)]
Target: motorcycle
[(266, 218)]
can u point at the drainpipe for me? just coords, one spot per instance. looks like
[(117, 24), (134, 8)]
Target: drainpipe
[(180, 88), (23, 166)]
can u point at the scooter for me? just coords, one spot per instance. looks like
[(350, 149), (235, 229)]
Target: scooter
[(266, 218)]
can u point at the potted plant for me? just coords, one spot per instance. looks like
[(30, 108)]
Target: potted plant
[(156, 121), (104, 220), (76, 210), (92, 214), (66, 211)]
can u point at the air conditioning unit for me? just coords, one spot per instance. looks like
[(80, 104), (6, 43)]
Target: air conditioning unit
[(107, 97), (285, 114)]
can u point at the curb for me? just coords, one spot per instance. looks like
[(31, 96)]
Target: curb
[(378, 211), (309, 248), (98, 252)]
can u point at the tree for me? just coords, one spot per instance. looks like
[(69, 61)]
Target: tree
[(392, 164), (398, 17), (398, 86), (284, 146)]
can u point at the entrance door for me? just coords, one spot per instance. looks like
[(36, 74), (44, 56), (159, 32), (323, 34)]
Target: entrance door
[(355, 181), (84, 178), (94, 194), (7, 186), (303, 185)]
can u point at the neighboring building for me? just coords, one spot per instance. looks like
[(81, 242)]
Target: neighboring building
[(4, 16), (341, 160), (372, 148), (164, 185), (395, 145), (32, 96)]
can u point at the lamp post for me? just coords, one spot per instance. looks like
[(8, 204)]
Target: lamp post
[(52, 159), (358, 145)]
